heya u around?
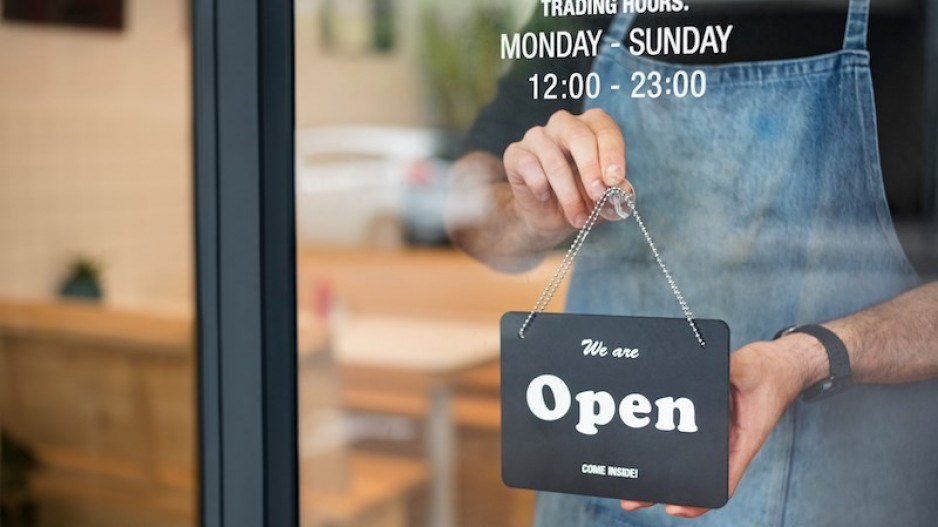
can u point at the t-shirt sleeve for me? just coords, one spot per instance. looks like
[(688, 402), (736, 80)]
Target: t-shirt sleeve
[(514, 109)]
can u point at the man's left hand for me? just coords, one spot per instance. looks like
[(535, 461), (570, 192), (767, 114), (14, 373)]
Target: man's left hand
[(765, 377)]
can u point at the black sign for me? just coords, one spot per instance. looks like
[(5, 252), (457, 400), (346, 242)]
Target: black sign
[(619, 407)]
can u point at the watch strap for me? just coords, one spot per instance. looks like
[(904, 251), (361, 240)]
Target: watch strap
[(840, 373)]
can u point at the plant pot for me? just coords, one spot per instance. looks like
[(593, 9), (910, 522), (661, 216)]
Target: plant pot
[(81, 288)]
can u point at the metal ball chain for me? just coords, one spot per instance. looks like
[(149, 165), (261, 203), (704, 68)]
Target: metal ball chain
[(548, 293)]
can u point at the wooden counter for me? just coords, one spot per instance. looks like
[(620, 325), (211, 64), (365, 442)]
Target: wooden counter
[(106, 399), (173, 335), (421, 282)]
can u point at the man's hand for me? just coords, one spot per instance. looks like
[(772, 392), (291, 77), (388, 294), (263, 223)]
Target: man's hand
[(543, 189), (765, 377), (893, 342), (557, 172)]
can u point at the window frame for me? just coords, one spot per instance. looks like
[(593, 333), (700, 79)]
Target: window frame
[(246, 262)]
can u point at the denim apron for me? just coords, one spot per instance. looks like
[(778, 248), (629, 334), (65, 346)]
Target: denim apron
[(767, 201)]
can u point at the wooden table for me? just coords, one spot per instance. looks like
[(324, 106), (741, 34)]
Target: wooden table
[(412, 367), (375, 496)]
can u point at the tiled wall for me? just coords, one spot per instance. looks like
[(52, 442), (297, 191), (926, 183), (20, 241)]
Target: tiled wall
[(95, 156), (335, 88), (341, 88)]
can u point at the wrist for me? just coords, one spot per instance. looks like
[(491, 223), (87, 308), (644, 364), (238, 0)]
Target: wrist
[(808, 358)]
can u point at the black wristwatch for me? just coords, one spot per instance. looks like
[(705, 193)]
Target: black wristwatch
[(840, 377)]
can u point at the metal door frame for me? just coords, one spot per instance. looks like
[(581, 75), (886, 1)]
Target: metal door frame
[(246, 262)]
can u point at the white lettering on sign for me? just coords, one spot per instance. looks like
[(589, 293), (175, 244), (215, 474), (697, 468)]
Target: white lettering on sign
[(599, 470), (667, 406), (597, 348), (623, 472), (538, 405), (631, 406), (598, 408), (593, 348), (609, 470)]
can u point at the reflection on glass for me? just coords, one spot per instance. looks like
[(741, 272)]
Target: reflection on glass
[(399, 380), (397, 360), (97, 356)]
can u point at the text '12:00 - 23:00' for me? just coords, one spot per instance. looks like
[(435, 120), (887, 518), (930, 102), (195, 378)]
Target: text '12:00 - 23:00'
[(651, 85)]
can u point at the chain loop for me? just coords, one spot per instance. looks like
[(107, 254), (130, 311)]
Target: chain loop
[(548, 293)]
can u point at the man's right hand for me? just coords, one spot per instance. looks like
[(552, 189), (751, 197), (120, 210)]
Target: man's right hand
[(558, 172), (542, 190)]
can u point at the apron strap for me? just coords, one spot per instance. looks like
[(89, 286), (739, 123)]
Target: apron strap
[(858, 17), (620, 26)]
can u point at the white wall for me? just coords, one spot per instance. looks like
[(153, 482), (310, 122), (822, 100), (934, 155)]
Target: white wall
[(336, 88), (95, 142), (95, 156), (370, 88)]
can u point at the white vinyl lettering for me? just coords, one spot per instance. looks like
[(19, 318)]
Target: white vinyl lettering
[(593, 348), (599, 470), (625, 353), (598, 348), (599, 408), (596, 408), (631, 405), (536, 401), (667, 406)]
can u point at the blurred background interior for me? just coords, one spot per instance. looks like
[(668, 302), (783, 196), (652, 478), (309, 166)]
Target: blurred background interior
[(398, 348)]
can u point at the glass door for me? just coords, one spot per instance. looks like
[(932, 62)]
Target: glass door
[(398, 342), (352, 181), (406, 116)]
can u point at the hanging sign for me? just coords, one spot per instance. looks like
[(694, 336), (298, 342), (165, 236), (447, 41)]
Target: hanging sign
[(619, 407)]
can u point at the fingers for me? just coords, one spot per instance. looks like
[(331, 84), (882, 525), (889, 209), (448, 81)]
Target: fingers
[(525, 173), (576, 137), (610, 145), (632, 505), (674, 510), (572, 158), (757, 403), (559, 174), (743, 445), (685, 512)]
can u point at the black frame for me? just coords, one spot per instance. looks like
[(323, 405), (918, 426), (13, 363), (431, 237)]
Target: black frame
[(930, 191), (246, 262)]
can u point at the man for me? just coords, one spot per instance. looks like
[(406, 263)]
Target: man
[(767, 195)]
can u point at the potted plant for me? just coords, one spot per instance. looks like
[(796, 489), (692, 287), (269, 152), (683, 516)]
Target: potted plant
[(83, 280), (460, 56)]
